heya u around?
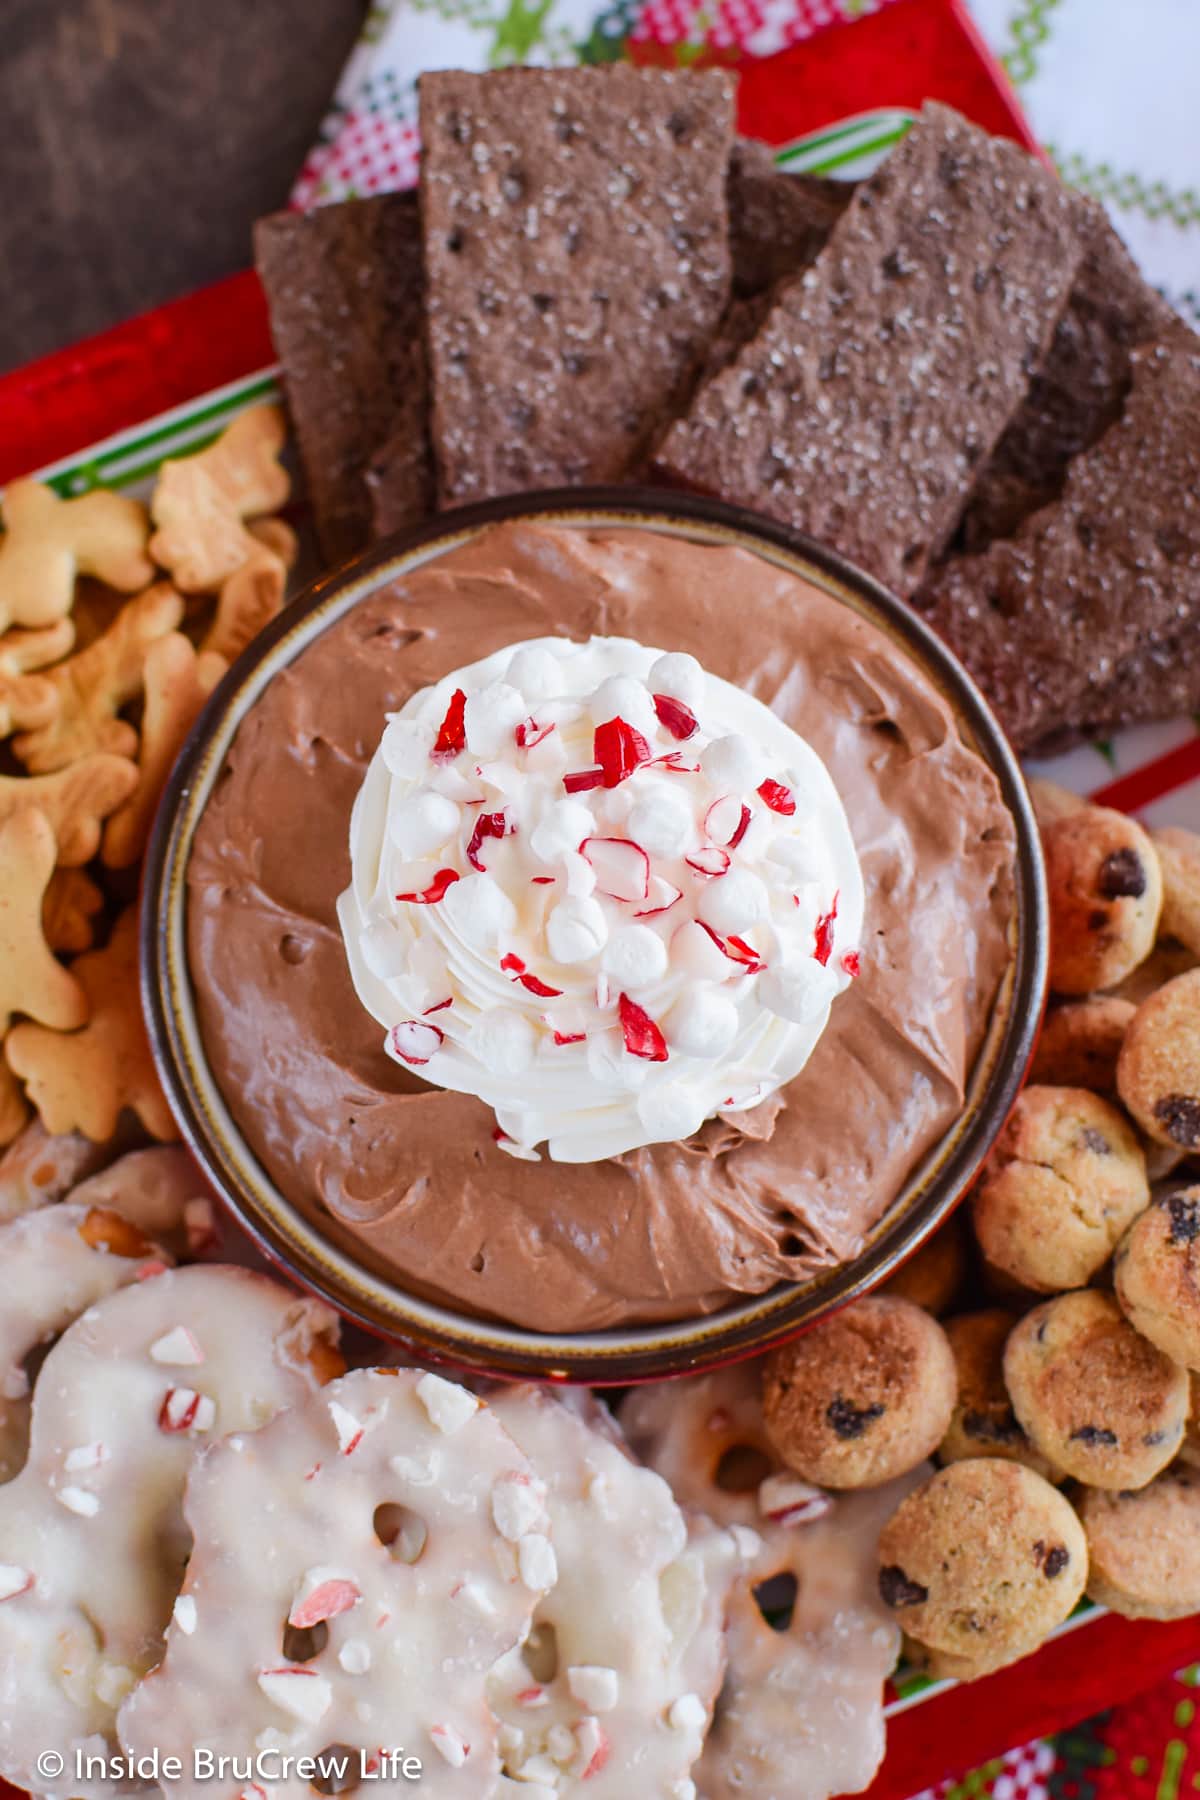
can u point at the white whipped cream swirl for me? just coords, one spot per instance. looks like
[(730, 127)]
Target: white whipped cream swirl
[(604, 891)]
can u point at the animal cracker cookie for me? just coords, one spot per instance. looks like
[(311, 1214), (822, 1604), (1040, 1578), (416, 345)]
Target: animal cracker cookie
[(32, 981), (75, 800), (984, 1423), (980, 1565), (1158, 1073), (1097, 1399), (81, 1081), (636, 1618), (56, 1262), (1179, 854), (1105, 889), (810, 1694), (251, 597), (93, 686), (200, 501), (47, 542), (1157, 1275), (1064, 1180), (1080, 1043), (70, 904), (95, 1541), (863, 1397), (933, 1277), (13, 1109), (177, 681), (409, 1551), (1144, 1548)]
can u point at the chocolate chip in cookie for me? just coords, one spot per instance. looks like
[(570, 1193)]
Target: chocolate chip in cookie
[(1105, 889)]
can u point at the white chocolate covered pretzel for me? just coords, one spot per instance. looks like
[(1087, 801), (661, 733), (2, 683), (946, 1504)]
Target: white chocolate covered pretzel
[(612, 1693), (54, 1264), (800, 1716), (359, 1567), (161, 1191), (93, 1541), (39, 1168)]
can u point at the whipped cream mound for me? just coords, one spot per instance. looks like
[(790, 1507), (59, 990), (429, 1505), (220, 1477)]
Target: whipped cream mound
[(604, 891)]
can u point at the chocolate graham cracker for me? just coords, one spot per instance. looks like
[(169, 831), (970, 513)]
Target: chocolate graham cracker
[(1080, 388), (884, 375), (345, 292), (1045, 620), (778, 222), (577, 265)]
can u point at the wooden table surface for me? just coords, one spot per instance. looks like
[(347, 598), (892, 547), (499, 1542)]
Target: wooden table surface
[(140, 138)]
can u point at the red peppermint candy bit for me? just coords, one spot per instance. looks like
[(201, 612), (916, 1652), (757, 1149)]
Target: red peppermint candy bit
[(642, 1036), (445, 878), (452, 732), (779, 798), (541, 880), (570, 1037), (582, 780), (727, 821), (823, 946), (487, 825), (438, 1006), (414, 1041), (326, 1601), (512, 965), (675, 717), (180, 1409), (619, 750), (851, 963), (529, 732), (674, 764), (708, 859), (621, 867), (736, 949)]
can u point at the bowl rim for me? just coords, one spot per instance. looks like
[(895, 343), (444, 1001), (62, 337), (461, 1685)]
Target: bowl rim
[(621, 1355)]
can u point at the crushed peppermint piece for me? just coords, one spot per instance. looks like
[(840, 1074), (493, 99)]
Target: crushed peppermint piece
[(619, 749), (322, 1595), (416, 1042), (594, 1686), (779, 798), (786, 1500), (823, 933), (430, 896), (177, 1347), (86, 1456), (517, 1505), (452, 732), (642, 1036), (349, 1429), (183, 1409), (537, 1562), (184, 1614), (303, 1693), (79, 1500), (675, 717), (448, 1405), (14, 1581), (594, 1748), (450, 1745)]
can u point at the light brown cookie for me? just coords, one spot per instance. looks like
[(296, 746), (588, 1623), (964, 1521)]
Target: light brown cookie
[(983, 1422), (863, 1397), (1065, 1179), (932, 1278), (1105, 898), (980, 1565), (1094, 1396), (1165, 961), (1156, 1275), (200, 501), (14, 1110), (178, 682), (1052, 802), (1179, 855), (32, 980), (1158, 1071), (1080, 1042), (1144, 1548), (75, 800), (69, 909), (47, 542), (1189, 1450)]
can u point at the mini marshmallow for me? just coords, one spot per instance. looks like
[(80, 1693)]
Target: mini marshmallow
[(634, 956), (576, 929), (422, 822), (680, 676), (661, 820), (624, 697), (735, 901), (594, 1686), (479, 910), (534, 672), (702, 1023), (504, 1041), (671, 1110), (406, 745), (537, 1562), (734, 764), (798, 991), (610, 1064), (492, 716), (560, 830)]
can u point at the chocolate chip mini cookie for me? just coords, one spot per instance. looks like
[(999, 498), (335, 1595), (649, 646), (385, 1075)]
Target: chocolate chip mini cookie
[(1158, 1071), (1064, 1180), (863, 1397), (1105, 898), (984, 1423), (1144, 1548), (1080, 1043), (933, 1277), (1157, 1275), (1179, 856), (980, 1565), (1103, 1404)]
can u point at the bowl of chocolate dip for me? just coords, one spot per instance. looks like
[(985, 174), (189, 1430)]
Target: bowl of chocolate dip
[(422, 1087)]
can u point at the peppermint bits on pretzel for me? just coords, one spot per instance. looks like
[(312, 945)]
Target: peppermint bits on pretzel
[(359, 1566)]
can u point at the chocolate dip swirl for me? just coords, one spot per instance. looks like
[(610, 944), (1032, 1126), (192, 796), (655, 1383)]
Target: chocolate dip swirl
[(408, 1175)]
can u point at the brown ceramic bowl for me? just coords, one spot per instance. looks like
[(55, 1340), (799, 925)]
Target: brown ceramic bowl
[(623, 1355)]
